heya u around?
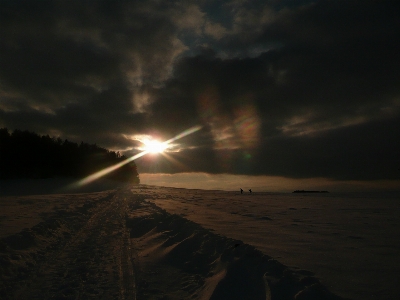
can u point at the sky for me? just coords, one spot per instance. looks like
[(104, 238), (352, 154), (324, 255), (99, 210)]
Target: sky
[(283, 93)]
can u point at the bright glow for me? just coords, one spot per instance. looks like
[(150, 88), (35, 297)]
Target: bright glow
[(155, 146)]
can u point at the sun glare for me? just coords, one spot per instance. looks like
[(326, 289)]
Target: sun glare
[(155, 146), (150, 146)]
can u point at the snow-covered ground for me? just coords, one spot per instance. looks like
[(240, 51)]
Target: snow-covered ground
[(147, 242), (349, 241)]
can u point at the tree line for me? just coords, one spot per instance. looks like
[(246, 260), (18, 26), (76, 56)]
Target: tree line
[(25, 154)]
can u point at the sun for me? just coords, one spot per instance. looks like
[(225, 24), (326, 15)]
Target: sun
[(154, 146)]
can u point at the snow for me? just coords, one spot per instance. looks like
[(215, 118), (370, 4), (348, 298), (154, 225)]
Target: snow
[(169, 243)]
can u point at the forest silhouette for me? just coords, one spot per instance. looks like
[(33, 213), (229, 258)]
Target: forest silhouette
[(25, 155)]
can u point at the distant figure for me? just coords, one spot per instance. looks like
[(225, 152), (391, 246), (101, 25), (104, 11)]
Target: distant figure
[(250, 191), (241, 191)]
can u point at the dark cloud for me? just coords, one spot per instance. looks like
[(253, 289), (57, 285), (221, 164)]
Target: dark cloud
[(288, 88), (364, 152), (80, 67)]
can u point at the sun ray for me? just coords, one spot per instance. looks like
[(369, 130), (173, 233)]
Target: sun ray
[(184, 133), (110, 169)]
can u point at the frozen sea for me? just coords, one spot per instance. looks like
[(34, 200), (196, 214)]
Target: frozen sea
[(350, 241)]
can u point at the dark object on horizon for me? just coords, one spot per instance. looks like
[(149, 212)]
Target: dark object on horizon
[(250, 191), (303, 191), (241, 191), (25, 155)]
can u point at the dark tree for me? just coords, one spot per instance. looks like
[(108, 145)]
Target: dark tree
[(25, 154)]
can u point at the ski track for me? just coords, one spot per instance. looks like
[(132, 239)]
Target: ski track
[(124, 247), (94, 263)]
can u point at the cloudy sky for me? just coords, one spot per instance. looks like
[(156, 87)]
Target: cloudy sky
[(283, 90)]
